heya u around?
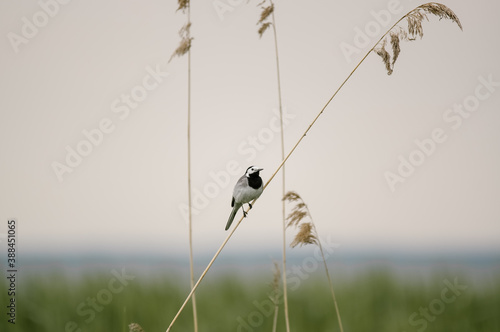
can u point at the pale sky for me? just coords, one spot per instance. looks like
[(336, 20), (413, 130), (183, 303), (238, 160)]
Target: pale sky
[(65, 86)]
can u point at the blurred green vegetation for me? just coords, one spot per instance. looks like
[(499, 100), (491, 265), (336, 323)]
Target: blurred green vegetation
[(376, 300)]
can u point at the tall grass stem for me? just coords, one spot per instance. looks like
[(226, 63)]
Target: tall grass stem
[(191, 263), (280, 105)]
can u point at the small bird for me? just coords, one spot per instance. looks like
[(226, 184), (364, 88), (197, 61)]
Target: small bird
[(248, 188)]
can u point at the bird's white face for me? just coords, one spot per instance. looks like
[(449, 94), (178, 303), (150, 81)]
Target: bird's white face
[(252, 170)]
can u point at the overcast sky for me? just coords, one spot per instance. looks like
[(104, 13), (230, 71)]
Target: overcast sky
[(93, 125)]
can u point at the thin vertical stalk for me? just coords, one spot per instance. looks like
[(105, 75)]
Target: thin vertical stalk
[(124, 319), (275, 317), (191, 272), (285, 292), (275, 297)]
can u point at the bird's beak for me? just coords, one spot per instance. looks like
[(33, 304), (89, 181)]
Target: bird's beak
[(260, 169)]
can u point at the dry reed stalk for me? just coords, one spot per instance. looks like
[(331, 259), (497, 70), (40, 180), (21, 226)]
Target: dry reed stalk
[(266, 20), (185, 48), (308, 234), (432, 8)]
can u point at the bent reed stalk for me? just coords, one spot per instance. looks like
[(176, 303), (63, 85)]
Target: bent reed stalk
[(414, 17)]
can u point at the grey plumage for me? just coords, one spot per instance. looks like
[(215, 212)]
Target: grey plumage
[(248, 188)]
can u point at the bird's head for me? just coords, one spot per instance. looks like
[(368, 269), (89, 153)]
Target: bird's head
[(253, 170)]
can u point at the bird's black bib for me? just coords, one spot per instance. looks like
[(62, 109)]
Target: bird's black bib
[(255, 181)]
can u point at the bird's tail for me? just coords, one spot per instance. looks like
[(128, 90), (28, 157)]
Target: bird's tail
[(232, 215)]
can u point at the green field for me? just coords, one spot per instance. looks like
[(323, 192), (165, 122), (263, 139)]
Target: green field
[(374, 300)]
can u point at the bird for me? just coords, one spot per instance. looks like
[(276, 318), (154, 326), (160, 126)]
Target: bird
[(248, 188)]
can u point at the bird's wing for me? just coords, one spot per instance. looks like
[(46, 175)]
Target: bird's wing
[(232, 202), (240, 186)]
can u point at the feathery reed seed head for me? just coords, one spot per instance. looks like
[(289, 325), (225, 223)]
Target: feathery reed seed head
[(276, 280), (291, 196), (395, 47), (299, 210), (299, 213), (306, 235), (263, 28), (134, 327), (264, 15), (185, 44), (295, 217), (414, 28), (183, 4), (266, 11)]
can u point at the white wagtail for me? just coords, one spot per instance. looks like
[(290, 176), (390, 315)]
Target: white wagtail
[(248, 188)]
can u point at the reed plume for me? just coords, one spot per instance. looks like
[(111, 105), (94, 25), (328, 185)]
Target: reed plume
[(265, 21), (183, 5), (412, 30), (185, 43)]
